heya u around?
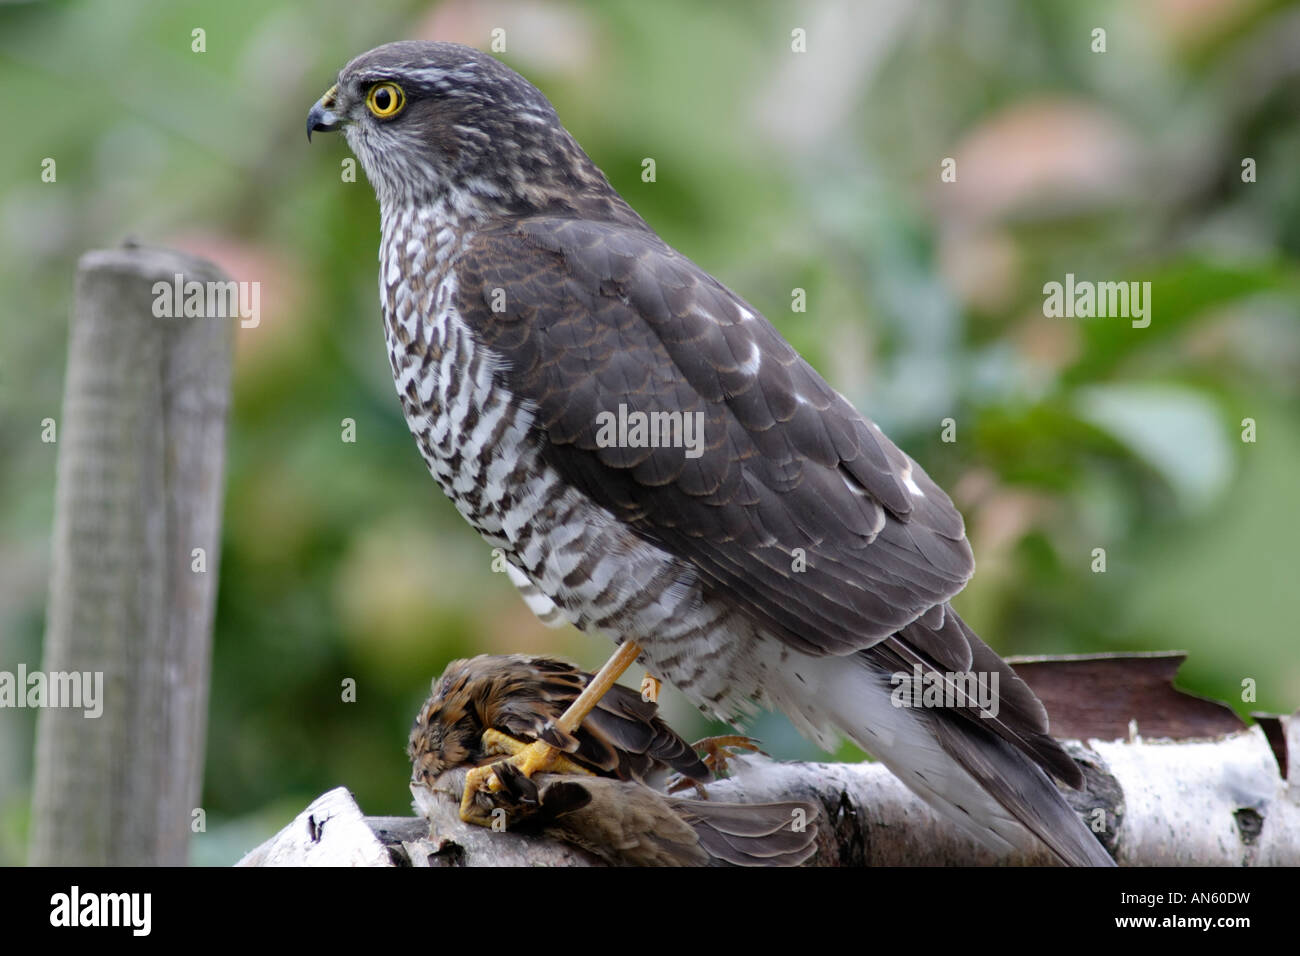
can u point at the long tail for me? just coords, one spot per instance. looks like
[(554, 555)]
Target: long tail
[(1022, 789), (989, 775)]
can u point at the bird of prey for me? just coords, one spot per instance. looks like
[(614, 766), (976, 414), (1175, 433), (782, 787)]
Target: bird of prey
[(600, 799), (760, 544)]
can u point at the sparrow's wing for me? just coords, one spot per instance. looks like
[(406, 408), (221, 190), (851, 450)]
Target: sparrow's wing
[(630, 824), (623, 736), (752, 834)]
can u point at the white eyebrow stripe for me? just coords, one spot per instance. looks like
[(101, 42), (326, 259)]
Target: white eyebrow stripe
[(377, 75), (427, 75)]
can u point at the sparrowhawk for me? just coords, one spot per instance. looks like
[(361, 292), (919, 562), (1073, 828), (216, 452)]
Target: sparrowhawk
[(658, 465)]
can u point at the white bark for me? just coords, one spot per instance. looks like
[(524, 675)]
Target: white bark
[(330, 832), (1208, 803)]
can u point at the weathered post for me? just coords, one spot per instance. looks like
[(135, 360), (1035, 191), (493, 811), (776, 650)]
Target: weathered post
[(134, 565)]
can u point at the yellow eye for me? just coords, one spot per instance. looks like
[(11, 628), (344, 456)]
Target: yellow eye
[(385, 100)]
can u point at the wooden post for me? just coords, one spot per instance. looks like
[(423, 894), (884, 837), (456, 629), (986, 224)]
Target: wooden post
[(138, 494)]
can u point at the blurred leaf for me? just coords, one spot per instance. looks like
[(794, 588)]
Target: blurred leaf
[(1180, 293), (1177, 431)]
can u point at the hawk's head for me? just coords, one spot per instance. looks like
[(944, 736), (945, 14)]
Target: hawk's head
[(436, 121)]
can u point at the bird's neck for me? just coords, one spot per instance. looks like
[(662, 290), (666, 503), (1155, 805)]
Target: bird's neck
[(576, 189), (452, 209)]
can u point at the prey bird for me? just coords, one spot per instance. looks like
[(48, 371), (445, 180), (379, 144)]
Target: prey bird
[(598, 795), (780, 552)]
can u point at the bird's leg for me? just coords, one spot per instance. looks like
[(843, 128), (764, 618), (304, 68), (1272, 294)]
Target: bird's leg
[(717, 751), (650, 688), (539, 756), (497, 744)]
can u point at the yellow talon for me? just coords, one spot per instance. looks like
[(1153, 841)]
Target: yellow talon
[(497, 744), (540, 757), (477, 780), (537, 757)]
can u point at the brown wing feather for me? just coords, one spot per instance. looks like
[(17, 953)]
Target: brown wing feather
[(628, 824), (599, 315)]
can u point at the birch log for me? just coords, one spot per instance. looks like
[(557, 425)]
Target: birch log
[(1156, 802), (1171, 779)]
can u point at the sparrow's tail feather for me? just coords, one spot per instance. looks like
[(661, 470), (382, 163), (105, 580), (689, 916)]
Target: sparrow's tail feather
[(752, 834)]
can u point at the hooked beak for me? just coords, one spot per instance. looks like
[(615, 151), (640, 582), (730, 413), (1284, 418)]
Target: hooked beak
[(322, 116)]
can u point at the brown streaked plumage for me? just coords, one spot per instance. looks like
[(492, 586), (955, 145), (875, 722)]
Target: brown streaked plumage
[(608, 810), (522, 695)]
